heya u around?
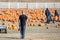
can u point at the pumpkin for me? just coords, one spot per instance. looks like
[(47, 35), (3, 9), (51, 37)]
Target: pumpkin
[(16, 27), (10, 26), (7, 11), (58, 25), (41, 24), (33, 21), (1, 17), (48, 27), (4, 23), (55, 18), (31, 24)]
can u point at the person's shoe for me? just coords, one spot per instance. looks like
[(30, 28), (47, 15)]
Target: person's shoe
[(22, 38)]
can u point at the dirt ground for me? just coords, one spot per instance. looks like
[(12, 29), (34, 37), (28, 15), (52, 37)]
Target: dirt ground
[(34, 33)]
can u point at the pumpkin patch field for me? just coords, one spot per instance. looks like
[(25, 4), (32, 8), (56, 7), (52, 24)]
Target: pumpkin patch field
[(36, 17)]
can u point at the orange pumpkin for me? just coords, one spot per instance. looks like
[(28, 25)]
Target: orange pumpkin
[(31, 24), (58, 25), (4, 23), (41, 24), (48, 27), (56, 18), (16, 27), (10, 26)]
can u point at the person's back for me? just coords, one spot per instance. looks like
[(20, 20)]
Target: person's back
[(23, 19), (56, 13), (46, 12), (50, 14)]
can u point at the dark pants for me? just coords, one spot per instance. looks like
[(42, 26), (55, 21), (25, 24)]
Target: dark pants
[(49, 19), (23, 28)]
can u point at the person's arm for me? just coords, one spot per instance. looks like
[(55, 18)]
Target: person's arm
[(19, 17), (19, 20), (19, 23), (45, 12), (26, 17)]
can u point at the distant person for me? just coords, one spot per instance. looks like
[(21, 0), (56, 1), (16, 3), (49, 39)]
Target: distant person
[(23, 19), (48, 15), (46, 12), (56, 14)]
